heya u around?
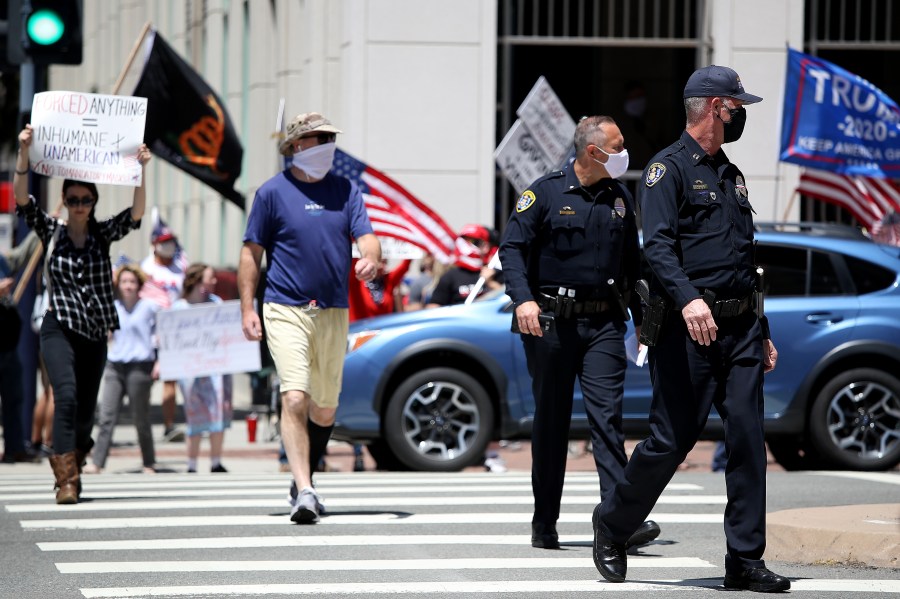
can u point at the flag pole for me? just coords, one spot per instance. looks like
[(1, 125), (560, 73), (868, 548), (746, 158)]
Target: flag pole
[(790, 205), (26, 274), (131, 57)]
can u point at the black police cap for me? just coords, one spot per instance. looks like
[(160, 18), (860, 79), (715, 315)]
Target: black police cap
[(717, 81)]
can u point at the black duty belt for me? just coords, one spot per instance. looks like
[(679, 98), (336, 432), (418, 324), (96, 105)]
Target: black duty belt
[(731, 308), (579, 308)]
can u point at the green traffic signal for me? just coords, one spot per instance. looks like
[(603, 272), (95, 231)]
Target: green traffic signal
[(45, 27)]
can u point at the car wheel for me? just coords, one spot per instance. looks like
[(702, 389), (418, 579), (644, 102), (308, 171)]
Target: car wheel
[(855, 421), (439, 420)]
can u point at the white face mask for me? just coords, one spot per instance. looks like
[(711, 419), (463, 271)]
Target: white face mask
[(616, 164), (315, 161), (166, 249)]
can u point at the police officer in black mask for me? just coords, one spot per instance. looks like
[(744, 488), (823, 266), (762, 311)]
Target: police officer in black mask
[(712, 348)]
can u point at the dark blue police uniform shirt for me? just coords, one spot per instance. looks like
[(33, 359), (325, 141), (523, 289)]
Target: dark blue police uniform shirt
[(697, 223), (564, 235)]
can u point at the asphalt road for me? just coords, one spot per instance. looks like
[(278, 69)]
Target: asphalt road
[(420, 535)]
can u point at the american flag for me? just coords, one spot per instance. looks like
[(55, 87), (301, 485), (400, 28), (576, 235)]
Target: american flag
[(868, 199), (887, 230), (395, 212)]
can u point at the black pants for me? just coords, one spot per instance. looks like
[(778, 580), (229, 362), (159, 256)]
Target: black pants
[(592, 349), (688, 379), (75, 367), (12, 399)]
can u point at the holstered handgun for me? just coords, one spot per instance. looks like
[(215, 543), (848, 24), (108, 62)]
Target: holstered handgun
[(655, 309)]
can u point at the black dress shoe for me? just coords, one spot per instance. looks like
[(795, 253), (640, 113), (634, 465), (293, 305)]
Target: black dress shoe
[(544, 536), (760, 580), (645, 533), (610, 558)]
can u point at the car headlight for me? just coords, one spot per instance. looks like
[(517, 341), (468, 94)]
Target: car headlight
[(357, 340)]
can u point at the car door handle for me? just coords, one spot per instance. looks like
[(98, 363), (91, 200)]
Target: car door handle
[(824, 318)]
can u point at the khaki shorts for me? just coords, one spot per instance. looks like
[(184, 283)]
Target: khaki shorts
[(308, 348)]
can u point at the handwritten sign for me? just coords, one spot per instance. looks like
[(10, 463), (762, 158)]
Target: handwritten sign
[(520, 158), (548, 121), (88, 137), (204, 340), (394, 249)]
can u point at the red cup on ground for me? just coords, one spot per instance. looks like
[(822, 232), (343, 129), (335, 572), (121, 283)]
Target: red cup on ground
[(251, 428)]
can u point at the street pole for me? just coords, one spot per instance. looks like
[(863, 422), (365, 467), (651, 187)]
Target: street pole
[(32, 79)]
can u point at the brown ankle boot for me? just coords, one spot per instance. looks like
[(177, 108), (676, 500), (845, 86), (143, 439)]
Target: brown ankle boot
[(65, 469), (81, 460)]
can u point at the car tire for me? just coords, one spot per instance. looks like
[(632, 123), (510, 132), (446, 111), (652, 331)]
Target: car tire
[(855, 421), (439, 420)]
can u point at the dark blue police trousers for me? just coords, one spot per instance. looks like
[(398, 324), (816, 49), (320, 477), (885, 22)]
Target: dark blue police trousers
[(593, 349), (688, 379)]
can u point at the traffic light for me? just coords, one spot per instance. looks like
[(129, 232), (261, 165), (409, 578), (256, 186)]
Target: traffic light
[(46, 31)]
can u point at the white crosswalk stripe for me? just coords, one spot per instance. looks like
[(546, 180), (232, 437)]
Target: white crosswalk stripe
[(140, 537)]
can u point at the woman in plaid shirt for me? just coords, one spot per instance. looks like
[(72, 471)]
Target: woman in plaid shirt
[(81, 311)]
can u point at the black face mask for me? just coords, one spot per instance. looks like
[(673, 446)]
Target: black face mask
[(735, 127)]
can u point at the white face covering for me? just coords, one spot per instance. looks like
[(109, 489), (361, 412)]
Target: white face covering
[(166, 249), (616, 164), (315, 161)]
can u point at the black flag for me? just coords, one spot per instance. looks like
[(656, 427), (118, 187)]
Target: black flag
[(187, 123)]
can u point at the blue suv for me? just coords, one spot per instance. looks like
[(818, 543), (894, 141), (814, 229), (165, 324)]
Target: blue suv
[(429, 390)]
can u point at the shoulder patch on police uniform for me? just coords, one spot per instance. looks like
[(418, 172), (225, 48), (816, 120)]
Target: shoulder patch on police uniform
[(740, 188), (525, 201), (655, 172)]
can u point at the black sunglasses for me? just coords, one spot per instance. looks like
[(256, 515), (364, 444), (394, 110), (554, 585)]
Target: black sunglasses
[(73, 201), (322, 138)]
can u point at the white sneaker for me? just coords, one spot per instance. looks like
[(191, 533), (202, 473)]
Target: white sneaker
[(292, 497), (494, 463), (305, 510)]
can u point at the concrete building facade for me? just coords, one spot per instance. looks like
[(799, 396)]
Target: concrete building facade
[(425, 89)]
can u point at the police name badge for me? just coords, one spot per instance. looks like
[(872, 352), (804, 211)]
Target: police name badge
[(619, 205), (655, 172), (525, 201)]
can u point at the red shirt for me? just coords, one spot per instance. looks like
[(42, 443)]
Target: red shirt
[(362, 304)]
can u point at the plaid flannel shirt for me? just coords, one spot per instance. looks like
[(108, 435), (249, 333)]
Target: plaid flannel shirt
[(81, 278)]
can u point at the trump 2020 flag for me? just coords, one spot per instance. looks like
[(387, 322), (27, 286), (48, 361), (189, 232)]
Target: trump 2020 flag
[(396, 213), (837, 121), (187, 124)]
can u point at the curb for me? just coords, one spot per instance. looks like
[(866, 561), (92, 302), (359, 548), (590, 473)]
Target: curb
[(851, 534)]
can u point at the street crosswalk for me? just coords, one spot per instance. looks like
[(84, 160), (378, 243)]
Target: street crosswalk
[(462, 534)]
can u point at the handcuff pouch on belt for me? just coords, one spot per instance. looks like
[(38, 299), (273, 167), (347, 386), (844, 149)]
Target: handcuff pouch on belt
[(655, 309)]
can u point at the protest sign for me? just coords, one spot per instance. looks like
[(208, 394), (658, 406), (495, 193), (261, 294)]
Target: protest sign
[(88, 137), (520, 158), (837, 121), (204, 340), (548, 121)]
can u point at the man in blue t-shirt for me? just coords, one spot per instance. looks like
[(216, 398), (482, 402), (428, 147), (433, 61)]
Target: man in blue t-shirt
[(304, 219)]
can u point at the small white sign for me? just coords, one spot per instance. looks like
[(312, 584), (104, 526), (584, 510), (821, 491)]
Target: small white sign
[(395, 249), (204, 340), (7, 226), (88, 137), (548, 121), (520, 158)]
